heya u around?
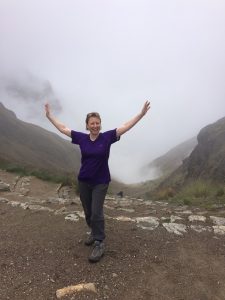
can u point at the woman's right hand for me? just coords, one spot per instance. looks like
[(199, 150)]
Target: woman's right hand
[(47, 109)]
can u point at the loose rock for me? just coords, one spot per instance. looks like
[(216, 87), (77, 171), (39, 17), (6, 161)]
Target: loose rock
[(69, 290)]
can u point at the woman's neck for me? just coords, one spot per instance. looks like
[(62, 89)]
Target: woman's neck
[(93, 137)]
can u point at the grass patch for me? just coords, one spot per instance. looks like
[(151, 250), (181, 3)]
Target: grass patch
[(165, 193), (64, 179), (201, 193)]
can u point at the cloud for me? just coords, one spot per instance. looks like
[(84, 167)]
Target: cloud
[(29, 91)]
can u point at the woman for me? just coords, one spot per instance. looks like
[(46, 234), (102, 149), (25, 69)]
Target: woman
[(94, 175)]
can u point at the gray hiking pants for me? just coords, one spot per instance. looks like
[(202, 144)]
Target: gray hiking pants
[(92, 198)]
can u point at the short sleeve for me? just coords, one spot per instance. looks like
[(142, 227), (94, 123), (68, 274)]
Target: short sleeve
[(76, 137), (111, 136)]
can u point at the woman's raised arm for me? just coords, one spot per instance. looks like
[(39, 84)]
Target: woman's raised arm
[(61, 127), (128, 125)]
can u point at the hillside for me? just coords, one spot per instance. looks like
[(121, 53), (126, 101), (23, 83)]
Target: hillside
[(207, 160), (30, 146), (167, 163)]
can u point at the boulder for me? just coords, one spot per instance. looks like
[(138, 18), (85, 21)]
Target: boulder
[(4, 187)]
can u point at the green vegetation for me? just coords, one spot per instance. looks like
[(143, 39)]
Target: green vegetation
[(199, 192), (64, 179), (165, 193)]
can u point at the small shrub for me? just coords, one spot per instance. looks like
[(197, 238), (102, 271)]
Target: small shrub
[(167, 220), (220, 192), (17, 169), (165, 194), (200, 189), (187, 201)]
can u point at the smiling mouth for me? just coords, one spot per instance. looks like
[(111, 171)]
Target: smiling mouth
[(95, 131)]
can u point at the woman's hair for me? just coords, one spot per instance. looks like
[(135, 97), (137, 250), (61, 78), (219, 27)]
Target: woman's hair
[(92, 114)]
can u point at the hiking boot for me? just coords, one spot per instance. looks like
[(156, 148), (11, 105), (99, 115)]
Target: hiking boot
[(90, 240), (97, 252)]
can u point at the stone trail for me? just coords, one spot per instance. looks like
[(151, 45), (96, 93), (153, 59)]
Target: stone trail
[(147, 215)]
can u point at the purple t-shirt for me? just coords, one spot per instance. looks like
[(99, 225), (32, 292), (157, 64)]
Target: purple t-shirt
[(94, 156)]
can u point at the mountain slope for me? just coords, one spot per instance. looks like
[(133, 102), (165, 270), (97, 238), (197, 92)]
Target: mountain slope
[(207, 160), (167, 163), (33, 147)]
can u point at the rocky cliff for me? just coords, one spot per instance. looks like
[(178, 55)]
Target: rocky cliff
[(206, 161)]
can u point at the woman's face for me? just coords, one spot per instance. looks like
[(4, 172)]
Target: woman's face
[(94, 125)]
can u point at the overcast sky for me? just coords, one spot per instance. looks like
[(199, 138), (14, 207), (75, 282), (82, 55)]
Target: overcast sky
[(111, 56)]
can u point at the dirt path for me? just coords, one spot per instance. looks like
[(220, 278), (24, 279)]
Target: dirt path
[(41, 251)]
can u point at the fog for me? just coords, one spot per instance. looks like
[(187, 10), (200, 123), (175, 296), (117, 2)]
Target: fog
[(112, 56)]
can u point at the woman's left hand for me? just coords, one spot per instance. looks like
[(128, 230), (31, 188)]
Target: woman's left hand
[(145, 108)]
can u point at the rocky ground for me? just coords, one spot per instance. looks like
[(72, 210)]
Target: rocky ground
[(154, 251)]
